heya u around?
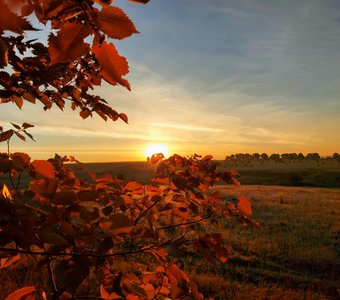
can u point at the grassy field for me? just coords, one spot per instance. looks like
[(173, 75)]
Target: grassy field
[(295, 255)]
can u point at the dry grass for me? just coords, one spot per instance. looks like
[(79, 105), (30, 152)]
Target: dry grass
[(296, 254)]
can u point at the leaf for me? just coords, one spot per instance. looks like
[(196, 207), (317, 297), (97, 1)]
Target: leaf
[(22, 293), (133, 186), (3, 54), (68, 45), (44, 168), (84, 113), (104, 294), (65, 198), (11, 21), (118, 223), (29, 97), (124, 117), (26, 125), (156, 157), (52, 238), (6, 193), (18, 100), (20, 136), (16, 126), (112, 65), (244, 206), (180, 182), (6, 135), (22, 159), (115, 23), (8, 261)]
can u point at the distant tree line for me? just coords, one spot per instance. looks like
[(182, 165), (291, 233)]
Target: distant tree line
[(246, 158)]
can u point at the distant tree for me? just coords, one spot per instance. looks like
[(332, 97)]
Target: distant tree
[(264, 156), (336, 156), (275, 157), (255, 157), (313, 156), (301, 157)]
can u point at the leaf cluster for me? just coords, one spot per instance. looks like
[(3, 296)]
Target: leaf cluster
[(80, 228), (79, 54)]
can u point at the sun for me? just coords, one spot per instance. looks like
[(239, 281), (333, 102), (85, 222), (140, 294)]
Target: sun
[(156, 148)]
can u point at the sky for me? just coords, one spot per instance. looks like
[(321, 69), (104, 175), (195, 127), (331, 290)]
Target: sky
[(210, 77)]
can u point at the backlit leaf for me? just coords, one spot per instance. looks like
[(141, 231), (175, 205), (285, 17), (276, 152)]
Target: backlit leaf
[(68, 45), (115, 23), (43, 168), (113, 66), (124, 117), (244, 206), (18, 100), (6, 135), (118, 223), (6, 193), (8, 261), (22, 294)]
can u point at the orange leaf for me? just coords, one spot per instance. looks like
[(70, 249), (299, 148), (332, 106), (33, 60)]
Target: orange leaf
[(18, 101), (29, 97), (68, 45), (43, 168), (22, 293), (113, 66), (133, 186), (115, 23), (244, 206), (8, 261), (156, 157)]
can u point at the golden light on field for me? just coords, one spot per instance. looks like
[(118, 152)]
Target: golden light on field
[(156, 148)]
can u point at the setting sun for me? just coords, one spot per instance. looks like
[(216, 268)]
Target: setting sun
[(156, 148)]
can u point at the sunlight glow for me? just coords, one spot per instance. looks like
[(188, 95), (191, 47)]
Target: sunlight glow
[(156, 148)]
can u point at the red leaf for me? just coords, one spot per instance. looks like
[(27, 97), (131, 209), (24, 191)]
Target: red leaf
[(22, 293), (113, 66), (29, 97), (6, 135), (20, 136), (115, 23), (18, 100), (84, 113), (123, 117), (65, 198), (43, 168), (10, 21), (156, 157), (21, 158), (3, 54), (68, 45), (244, 206)]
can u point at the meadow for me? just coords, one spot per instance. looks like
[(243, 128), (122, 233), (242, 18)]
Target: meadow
[(294, 255)]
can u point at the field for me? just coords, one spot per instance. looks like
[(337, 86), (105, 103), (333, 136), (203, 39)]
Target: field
[(295, 255)]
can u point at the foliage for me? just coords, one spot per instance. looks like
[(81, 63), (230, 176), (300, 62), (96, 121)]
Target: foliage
[(78, 228)]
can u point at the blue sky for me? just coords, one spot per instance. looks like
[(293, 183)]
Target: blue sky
[(212, 77)]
